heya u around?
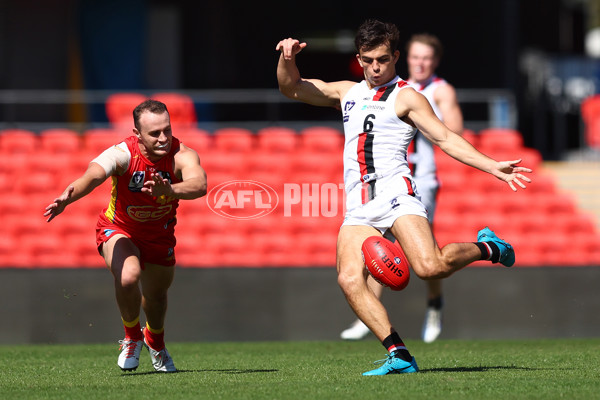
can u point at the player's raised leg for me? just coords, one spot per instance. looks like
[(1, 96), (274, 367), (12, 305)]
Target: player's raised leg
[(431, 262)]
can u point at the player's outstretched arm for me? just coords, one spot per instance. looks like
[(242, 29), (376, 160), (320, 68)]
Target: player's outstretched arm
[(419, 111), (92, 178), (311, 91)]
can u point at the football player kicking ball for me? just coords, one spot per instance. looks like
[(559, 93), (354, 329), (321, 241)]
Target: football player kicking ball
[(151, 171), (381, 115), (424, 52)]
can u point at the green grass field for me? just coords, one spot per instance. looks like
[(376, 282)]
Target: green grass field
[(524, 369)]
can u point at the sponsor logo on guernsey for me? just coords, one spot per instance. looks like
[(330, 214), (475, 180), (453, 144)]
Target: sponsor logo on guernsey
[(374, 106), (148, 213), (108, 232)]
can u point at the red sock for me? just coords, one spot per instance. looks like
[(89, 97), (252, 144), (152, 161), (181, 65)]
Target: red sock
[(155, 340), (134, 332)]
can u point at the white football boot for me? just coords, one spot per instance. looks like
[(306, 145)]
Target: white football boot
[(357, 331), (161, 360), (432, 326), (129, 359)]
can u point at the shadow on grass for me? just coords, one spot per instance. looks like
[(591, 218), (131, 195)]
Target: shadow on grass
[(478, 369), (183, 371)]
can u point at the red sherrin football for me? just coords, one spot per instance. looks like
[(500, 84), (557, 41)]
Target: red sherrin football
[(386, 262)]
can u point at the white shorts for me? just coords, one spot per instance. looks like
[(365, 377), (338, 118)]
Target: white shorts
[(428, 187), (384, 209)]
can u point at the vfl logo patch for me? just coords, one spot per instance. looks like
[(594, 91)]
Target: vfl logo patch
[(347, 107), (137, 181)]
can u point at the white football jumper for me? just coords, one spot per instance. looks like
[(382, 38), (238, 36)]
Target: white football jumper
[(377, 178), (422, 159)]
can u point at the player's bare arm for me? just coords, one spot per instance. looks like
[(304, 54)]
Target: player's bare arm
[(92, 178), (416, 107), (188, 168), (447, 102), (311, 91)]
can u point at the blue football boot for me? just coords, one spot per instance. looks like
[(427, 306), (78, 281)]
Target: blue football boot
[(394, 365), (507, 253)]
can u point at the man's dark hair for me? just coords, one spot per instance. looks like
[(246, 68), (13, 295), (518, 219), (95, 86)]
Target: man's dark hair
[(153, 106), (373, 33)]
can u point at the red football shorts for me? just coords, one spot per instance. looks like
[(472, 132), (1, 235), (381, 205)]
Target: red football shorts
[(159, 251)]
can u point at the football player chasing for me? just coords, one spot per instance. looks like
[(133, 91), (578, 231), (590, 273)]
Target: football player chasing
[(151, 171)]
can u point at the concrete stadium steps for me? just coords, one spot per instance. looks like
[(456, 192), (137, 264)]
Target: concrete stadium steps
[(581, 178)]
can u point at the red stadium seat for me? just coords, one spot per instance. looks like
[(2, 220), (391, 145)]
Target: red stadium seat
[(274, 180), (181, 108), (18, 141), (453, 183), (60, 141), (527, 251), (228, 249), (448, 167), (219, 162), (119, 107), (532, 158), (95, 141), (82, 248), (553, 248), (322, 167), (445, 221), (213, 224), (495, 139), (559, 203), (198, 139), (542, 183), (471, 136), (264, 161), (34, 182), (277, 139), (62, 167), (532, 224), (274, 250), (319, 249), (322, 139), (232, 140), (216, 178)]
